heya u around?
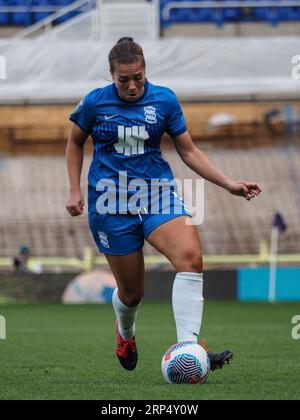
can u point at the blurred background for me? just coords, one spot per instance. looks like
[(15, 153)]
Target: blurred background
[(235, 66)]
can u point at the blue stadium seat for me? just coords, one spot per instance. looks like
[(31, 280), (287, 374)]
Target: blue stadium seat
[(64, 3), (28, 18), (232, 14), (37, 16), (21, 18), (206, 15), (289, 14), (192, 15), (4, 17), (179, 15), (187, 15), (267, 14)]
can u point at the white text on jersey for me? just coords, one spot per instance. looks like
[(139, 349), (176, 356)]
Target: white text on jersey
[(131, 140)]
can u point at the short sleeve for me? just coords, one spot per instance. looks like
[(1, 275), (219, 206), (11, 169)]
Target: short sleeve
[(176, 123), (83, 114)]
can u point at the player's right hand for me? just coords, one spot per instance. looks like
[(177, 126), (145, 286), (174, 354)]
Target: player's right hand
[(75, 204)]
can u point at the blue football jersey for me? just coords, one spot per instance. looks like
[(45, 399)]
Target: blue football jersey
[(127, 135)]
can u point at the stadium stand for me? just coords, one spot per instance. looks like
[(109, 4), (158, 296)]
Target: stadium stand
[(34, 193), (28, 12), (238, 113), (34, 189), (43, 130), (222, 12), (240, 227), (25, 12)]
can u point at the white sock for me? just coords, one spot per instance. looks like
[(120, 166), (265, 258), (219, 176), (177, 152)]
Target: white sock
[(126, 316), (188, 305)]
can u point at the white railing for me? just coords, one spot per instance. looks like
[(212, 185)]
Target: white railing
[(225, 4), (47, 23), (83, 26), (107, 20)]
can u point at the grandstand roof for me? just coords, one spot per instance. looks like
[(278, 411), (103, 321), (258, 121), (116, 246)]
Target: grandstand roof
[(43, 71)]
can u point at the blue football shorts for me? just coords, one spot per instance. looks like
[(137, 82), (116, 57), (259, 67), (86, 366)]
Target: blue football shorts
[(122, 234)]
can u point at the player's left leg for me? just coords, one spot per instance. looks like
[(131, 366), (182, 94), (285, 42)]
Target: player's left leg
[(180, 243)]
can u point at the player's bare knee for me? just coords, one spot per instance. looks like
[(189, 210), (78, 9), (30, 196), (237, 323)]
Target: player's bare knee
[(133, 302), (133, 299), (191, 261)]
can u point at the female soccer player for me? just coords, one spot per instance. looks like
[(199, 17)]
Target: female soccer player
[(126, 120)]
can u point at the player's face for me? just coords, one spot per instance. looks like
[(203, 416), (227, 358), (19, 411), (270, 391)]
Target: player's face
[(130, 80)]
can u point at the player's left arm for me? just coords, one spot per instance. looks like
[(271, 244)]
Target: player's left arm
[(198, 162)]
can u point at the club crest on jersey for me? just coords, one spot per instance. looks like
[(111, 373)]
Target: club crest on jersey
[(150, 114)]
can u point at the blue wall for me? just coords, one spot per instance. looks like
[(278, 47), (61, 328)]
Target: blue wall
[(253, 284)]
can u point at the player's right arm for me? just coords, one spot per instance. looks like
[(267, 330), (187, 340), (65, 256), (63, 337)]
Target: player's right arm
[(75, 155)]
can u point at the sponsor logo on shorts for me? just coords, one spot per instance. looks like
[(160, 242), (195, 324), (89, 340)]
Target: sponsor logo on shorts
[(103, 239)]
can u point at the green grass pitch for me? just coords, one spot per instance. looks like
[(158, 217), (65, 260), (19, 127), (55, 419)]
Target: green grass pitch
[(67, 352)]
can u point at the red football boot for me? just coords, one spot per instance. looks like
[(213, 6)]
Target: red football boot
[(126, 351)]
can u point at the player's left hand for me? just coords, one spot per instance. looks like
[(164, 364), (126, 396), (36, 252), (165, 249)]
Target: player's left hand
[(248, 190)]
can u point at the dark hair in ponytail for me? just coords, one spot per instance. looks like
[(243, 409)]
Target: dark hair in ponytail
[(126, 51)]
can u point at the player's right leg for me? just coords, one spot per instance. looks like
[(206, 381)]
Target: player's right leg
[(120, 239), (129, 273)]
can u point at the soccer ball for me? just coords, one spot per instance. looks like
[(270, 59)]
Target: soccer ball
[(185, 363)]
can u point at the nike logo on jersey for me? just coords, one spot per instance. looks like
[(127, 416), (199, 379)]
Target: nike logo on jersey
[(109, 117)]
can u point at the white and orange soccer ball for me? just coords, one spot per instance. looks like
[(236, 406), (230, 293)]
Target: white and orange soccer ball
[(185, 363)]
